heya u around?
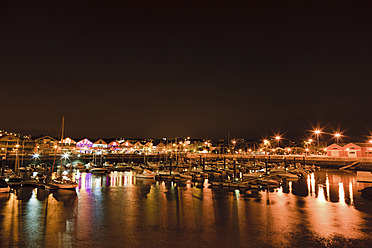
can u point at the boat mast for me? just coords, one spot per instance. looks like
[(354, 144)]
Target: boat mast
[(17, 159), (63, 129), (55, 150)]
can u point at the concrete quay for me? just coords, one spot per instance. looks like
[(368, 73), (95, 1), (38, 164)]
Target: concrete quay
[(322, 161)]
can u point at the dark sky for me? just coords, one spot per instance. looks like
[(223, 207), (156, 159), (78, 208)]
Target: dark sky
[(178, 68)]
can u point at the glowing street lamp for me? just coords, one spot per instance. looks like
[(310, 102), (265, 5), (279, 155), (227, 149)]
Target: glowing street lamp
[(36, 156), (337, 137), (278, 139), (266, 144), (317, 133)]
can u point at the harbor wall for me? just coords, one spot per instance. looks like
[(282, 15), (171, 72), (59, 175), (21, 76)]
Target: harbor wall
[(322, 161)]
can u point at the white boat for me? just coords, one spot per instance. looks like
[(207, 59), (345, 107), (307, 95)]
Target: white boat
[(185, 176), (147, 174), (98, 171), (253, 175), (4, 187), (79, 166), (168, 173), (61, 184), (14, 180), (8, 172), (289, 176)]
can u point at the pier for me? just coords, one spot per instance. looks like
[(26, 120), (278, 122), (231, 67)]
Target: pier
[(321, 161)]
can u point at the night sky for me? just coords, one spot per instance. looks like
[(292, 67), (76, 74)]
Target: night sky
[(185, 68)]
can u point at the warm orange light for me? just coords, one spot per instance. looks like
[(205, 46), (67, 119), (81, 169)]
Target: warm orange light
[(277, 137)]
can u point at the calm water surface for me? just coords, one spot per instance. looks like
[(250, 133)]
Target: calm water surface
[(117, 210)]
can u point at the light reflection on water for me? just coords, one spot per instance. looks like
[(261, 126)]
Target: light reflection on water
[(323, 209)]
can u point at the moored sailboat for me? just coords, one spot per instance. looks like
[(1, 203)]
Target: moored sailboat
[(60, 183)]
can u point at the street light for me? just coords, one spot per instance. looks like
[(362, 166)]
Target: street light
[(278, 139), (317, 133), (337, 137), (36, 156), (266, 143)]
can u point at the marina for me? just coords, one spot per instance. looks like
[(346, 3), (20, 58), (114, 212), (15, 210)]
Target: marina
[(182, 124), (124, 208)]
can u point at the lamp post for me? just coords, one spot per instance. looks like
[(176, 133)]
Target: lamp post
[(309, 143), (36, 156), (317, 133), (233, 143), (278, 140), (266, 143)]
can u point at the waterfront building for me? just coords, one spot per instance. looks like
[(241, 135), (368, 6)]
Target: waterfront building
[(8, 144), (114, 146), (67, 144), (350, 150), (160, 148), (148, 147), (335, 150), (100, 144), (84, 146), (138, 147), (46, 145)]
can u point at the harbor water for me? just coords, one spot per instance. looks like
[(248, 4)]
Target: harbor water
[(324, 209)]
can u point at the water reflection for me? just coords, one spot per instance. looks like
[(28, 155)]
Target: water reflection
[(327, 187), (321, 210)]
